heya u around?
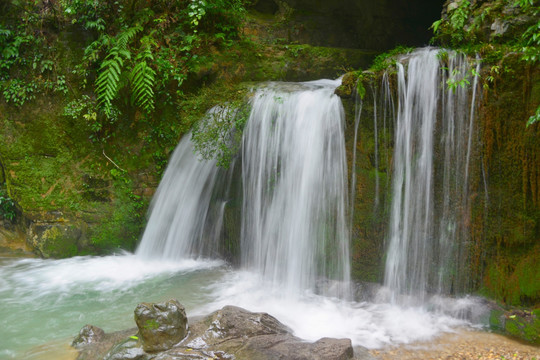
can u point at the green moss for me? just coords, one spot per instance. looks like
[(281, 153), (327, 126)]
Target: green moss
[(528, 272), (526, 329), (57, 243), (521, 324), (123, 221), (495, 320)]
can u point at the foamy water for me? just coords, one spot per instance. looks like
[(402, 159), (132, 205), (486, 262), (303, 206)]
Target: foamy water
[(49, 301), (370, 324)]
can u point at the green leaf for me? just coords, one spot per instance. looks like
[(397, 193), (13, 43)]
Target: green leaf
[(435, 26)]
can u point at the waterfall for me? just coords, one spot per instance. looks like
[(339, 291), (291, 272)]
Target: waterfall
[(429, 198), (294, 174), (182, 210), (294, 180)]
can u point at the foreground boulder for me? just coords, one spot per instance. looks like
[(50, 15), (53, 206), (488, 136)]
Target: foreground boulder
[(229, 333), (161, 325)]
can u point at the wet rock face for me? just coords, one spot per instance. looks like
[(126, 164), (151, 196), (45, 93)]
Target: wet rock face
[(161, 325), (129, 349)]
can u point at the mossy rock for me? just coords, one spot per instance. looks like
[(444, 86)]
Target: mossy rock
[(521, 324), (55, 240), (348, 85)]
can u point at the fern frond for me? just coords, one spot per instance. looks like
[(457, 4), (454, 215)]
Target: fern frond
[(110, 71), (108, 79), (143, 77), (125, 36)]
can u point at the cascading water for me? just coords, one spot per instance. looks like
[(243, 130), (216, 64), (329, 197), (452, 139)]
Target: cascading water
[(426, 227), (294, 192), (294, 176), (181, 208)]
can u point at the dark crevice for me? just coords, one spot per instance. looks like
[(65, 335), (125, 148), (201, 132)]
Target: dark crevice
[(361, 24)]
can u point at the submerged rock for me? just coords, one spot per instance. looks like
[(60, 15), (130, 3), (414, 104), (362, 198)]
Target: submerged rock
[(229, 333)]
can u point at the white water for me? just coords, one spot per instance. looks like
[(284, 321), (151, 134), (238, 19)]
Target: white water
[(425, 254), (294, 179), (180, 208)]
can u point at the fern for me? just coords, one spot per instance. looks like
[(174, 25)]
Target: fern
[(107, 83), (109, 78), (143, 77), (125, 37)]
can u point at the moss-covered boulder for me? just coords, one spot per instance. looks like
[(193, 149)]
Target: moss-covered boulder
[(521, 324), (58, 239), (161, 325)]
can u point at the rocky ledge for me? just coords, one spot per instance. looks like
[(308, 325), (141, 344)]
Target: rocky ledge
[(163, 333)]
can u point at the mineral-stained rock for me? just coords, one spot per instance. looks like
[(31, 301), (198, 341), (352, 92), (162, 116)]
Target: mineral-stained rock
[(161, 325)]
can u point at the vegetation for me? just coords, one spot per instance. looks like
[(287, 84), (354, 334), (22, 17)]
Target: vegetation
[(95, 96), (7, 206), (219, 135), (137, 50), (139, 62), (493, 29)]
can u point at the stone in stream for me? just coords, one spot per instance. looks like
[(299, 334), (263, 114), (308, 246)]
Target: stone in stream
[(162, 325), (229, 333), (88, 334)]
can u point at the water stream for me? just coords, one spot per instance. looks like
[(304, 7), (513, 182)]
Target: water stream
[(292, 242), (430, 200)]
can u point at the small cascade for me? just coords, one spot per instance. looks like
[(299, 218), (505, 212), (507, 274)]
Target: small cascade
[(186, 212), (358, 104), (376, 154), (387, 117), (295, 178), (294, 181), (433, 131)]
